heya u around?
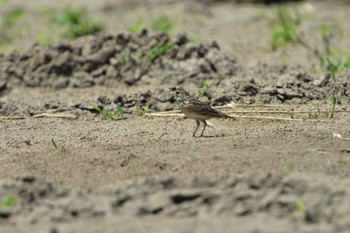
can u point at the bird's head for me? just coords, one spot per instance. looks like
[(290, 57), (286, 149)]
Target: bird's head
[(179, 92)]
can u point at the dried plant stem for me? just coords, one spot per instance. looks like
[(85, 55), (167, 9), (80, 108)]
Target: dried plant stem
[(296, 111), (164, 114), (234, 105), (10, 118), (55, 115)]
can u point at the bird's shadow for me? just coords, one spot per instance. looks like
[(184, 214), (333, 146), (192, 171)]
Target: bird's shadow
[(213, 136)]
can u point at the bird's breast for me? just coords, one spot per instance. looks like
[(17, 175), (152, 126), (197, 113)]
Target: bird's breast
[(193, 115)]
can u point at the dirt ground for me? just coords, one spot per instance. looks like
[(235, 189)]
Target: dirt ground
[(280, 167)]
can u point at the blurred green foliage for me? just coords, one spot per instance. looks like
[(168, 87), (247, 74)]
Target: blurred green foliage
[(8, 31), (8, 202), (159, 24), (77, 22), (285, 30)]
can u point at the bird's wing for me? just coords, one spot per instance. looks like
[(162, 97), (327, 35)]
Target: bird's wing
[(204, 108)]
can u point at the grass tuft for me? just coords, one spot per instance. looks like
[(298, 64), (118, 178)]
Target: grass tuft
[(207, 92), (120, 111), (77, 22), (7, 202), (8, 31), (136, 27), (140, 111), (330, 108), (158, 50), (109, 114), (286, 32), (162, 24), (290, 113)]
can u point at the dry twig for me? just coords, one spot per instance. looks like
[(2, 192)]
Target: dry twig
[(69, 116), (10, 118)]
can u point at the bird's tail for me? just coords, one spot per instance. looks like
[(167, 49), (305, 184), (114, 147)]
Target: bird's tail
[(225, 116)]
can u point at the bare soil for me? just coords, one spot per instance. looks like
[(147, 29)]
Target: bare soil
[(269, 171)]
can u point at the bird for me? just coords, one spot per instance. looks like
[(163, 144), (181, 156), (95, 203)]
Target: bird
[(195, 109)]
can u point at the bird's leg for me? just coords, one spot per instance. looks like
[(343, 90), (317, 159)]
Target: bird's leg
[(198, 123), (205, 125)]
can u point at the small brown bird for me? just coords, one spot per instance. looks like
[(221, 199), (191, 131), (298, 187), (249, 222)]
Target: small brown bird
[(195, 109)]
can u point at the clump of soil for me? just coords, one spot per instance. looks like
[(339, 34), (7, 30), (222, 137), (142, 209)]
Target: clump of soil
[(283, 202), (155, 60), (116, 59)]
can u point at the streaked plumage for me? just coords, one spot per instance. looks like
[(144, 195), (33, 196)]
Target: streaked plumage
[(195, 109)]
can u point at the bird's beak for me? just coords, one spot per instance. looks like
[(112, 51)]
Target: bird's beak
[(172, 90)]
